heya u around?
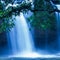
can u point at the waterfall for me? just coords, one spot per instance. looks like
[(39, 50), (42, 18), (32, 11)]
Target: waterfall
[(58, 26), (20, 36)]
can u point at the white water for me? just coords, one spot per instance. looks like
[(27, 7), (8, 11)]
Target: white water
[(58, 26), (21, 40), (20, 37)]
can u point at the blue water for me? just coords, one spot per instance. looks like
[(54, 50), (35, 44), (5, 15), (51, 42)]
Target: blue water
[(58, 26), (20, 41), (20, 36)]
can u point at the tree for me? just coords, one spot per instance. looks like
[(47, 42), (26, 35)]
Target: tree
[(41, 9), (44, 15), (6, 23)]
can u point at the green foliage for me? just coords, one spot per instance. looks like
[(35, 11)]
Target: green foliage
[(39, 20), (43, 19), (1, 13), (1, 6), (6, 21), (6, 24)]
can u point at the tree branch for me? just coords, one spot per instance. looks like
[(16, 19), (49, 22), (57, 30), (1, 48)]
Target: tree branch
[(20, 7), (12, 8), (51, 11)]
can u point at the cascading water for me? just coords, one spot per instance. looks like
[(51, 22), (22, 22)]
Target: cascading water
[(58, 26), (20, 36), (24, 30), (21, 41)]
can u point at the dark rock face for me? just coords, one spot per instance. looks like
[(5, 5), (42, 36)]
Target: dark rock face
[(4, 49), (46, 40), (45, 37), (3, 39)]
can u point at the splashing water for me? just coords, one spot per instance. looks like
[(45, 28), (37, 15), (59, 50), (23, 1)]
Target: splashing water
[(21, 39)]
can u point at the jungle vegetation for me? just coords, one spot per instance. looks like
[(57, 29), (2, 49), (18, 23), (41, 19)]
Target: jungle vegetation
[(43, 14)]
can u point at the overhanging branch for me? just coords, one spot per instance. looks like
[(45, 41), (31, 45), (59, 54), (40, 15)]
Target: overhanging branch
[(11, 9), (20, 7), (51, 11)]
